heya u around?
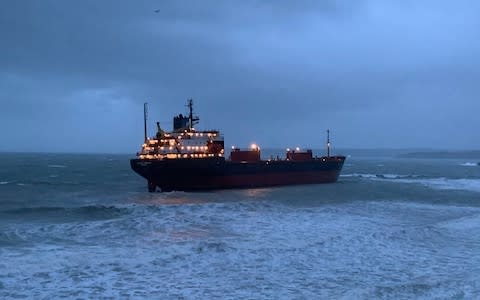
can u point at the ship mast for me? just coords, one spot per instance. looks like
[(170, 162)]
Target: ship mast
[(328, 142), (192, 120), (145, 112)]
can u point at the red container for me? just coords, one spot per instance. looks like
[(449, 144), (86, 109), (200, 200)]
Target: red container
[(245, 155), (299, 155)]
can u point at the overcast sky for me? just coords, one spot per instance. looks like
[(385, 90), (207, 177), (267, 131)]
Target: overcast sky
[(74, 74)]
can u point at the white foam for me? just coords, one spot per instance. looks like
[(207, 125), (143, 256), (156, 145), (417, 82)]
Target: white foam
[(359, 175), (3, 182), (57, 166), (392, 176), (427, 206), (377, 176), (469, 164)]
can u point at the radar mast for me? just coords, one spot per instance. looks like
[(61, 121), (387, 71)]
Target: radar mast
[(193, 120)]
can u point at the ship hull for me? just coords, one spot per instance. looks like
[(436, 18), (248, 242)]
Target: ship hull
[(218, 173)]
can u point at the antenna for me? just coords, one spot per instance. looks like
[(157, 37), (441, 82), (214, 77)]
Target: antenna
[(328, 142), (145, 114)]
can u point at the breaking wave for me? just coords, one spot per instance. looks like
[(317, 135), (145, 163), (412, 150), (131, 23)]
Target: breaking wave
[(10, 239), (453, 184), (57, 166), (442, 183), (469, 164), (470, 222), (379, 176), (97, 212)]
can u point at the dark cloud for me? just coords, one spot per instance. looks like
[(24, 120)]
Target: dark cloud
[(379, 73)]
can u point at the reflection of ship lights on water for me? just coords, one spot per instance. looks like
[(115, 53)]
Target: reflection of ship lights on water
[(187, 159)]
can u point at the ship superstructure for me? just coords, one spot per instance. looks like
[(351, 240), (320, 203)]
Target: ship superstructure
[(184, 141)]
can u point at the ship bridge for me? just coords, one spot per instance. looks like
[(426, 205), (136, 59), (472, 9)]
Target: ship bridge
[(184, 141)]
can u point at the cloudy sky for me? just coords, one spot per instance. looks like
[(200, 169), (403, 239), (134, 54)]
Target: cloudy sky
[(378, 73)]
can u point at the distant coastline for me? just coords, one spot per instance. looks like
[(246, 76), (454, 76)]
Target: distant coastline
[(472, 154)]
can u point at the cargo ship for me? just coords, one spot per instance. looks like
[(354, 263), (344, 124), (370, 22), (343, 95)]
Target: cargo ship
[(186, 159)]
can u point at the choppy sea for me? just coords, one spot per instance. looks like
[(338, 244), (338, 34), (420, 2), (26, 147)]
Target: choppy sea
[(84, 227)]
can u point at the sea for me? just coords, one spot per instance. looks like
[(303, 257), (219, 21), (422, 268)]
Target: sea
[(83, 226)]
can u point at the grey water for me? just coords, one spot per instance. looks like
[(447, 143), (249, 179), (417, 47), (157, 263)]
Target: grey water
[(83, 226)]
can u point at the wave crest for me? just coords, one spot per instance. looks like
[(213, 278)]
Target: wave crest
[(469, 164)]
